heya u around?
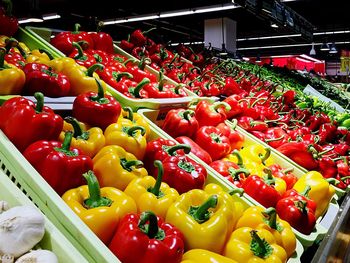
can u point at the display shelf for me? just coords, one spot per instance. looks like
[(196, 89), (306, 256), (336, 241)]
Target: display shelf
[(43, 36), (156, 118), (53, 239)]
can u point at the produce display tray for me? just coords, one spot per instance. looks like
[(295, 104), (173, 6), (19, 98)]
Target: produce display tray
[(53, 239), (298, 169), (30, 182), (156, 118), (20, 171), (43, 36)]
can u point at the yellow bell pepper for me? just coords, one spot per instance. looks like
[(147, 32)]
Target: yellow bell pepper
[(127, 135), (18, 47), (38, 56), (321, 191), (258, 154), (69, 127), (249, 245), (89, 142), (101, 209), (259, 218), (115, 167), (136, 118), (12, 79), (205, 220), (253, 167), (81, 79), (279, 184), (151, 194), (204, 256)]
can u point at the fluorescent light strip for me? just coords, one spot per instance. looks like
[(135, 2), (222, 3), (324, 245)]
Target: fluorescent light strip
[(310, 58), (294, 35), (291, 45), (29, 20), (188, 43), (198, 10), (51, 16)]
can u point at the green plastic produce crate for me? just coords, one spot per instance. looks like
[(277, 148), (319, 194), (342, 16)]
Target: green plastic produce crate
[(20, 171), (156, 118), (53, 239), (43, 36)]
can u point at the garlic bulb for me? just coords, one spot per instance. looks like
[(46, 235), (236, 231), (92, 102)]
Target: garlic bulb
[(7, 258), (3, 206), (38, 256), (21, 228)]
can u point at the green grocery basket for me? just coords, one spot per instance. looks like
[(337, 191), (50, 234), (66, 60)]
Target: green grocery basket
[(42, 36), (156, 118), (53, 239)]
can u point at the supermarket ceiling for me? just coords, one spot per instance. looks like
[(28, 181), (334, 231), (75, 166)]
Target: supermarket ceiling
[(324, 16)]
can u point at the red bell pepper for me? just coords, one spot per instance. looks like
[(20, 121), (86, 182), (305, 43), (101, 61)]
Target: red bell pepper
[(237, 105), (138, 72), (303, 196), (8, 22), (40, 122), (195, 149), (60, 165), (297, 214), (96, 109), (159, 149), (211, 114), (300, 152), (276, 136), (82, 58), (211, 88), (180, 122), (139, 52), (231, 171), (136, 90), (328, 167), (183, 174), (102, 41), (212, 141), (197, 59), (126, 44), (236, 138), (135, 241), (327, 132), (138, 37), (100, 56), (262, 190), (285, 174), (112, 76), (13, 57), (40, 77), (249, 124), (231, 87), (63, 41)]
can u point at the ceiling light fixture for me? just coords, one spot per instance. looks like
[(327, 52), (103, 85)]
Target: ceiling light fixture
[(183, 12), (312, 51), (333, 49), (324, 47), (274, 25), (30, 20)]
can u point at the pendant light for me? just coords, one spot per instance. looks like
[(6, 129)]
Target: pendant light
[(312, 51), (324, 47), (333, 49)]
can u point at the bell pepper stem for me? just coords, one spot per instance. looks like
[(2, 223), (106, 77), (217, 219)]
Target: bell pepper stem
[(256, 101), (95, 199), (172, 150), (161, 80), (152, 231), (235, 172), (220, 104), (8, 7), (67, 141), (274, 139), (186, 114), (47, 53), (306, 191), (118, 76), (128, 164), (130, 114), (143, 62), (266, 155), (178, 87), (132, 129), (156, 188), (239, 191), (271, 216), (100, 97), (140, 85), (201, 213), (259, 247), (39, 102), (234, 124), (76, 28), (78, 131), (238, 156), (301, 205), (149, 30), (288, 170), (268, 178), (90, 71), (332, 181), (10, 43), (80, 55)]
